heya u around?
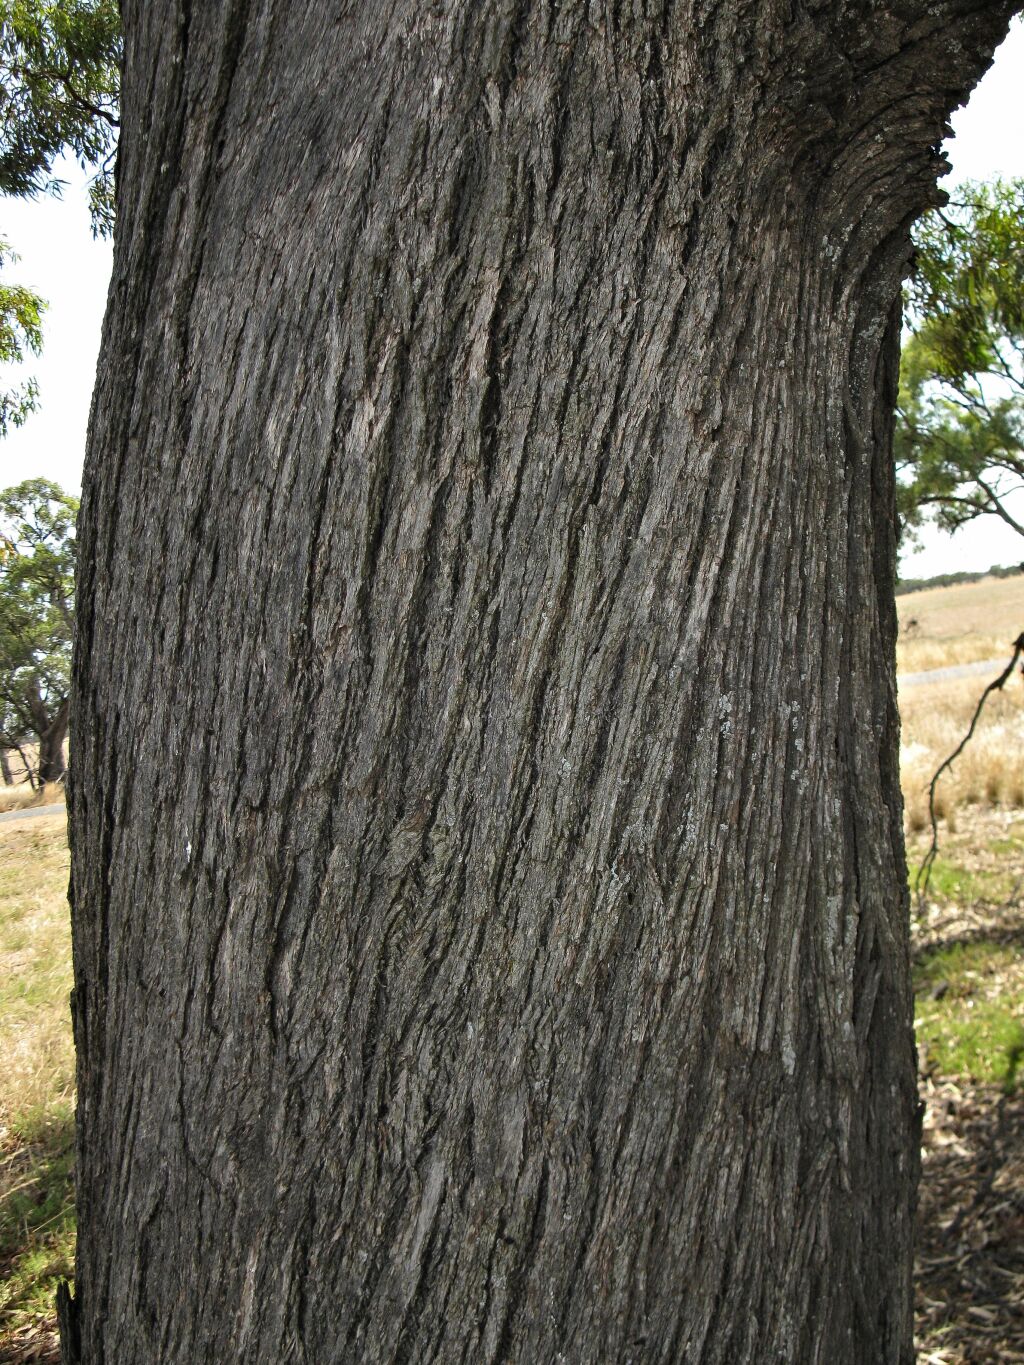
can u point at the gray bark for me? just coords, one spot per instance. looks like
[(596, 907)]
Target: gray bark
[(488, 882)]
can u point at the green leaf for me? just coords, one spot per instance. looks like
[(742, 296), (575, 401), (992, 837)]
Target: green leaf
[(60, 86), (960, 428), (21, 334)]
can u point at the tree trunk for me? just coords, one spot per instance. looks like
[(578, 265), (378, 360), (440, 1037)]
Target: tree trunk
[(52, 767), (5, 769), (50, 730), (488, 878)]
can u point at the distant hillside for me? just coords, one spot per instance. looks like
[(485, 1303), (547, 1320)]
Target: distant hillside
[(946, 580), (964, 623)]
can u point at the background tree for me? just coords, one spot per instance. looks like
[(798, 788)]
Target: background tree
[(37, 569), (960, 435), (489, 899)]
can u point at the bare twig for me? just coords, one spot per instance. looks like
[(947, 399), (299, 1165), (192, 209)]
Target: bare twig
[(925, 870)]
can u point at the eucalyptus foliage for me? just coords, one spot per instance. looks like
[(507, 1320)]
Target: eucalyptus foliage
[(60, 86), (59, 91), (960, 436), (21, 333)]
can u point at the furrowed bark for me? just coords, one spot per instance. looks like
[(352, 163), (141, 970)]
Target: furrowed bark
[(488, 883)]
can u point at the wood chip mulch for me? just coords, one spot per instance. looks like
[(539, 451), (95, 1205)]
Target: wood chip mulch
[(970, 1264), (36, 1345)]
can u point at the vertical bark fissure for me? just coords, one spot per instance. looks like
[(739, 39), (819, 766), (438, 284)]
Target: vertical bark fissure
[(488, 923)]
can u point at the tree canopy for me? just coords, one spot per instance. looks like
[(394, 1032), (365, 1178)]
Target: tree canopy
[(21, 332), (59, 87), (60, 84), (37, 570), (960, 437)]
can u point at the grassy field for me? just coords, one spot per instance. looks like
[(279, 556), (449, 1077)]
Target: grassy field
[(968, 972), (989, 773), (22, 797), (36, 1082), (940, 627), (969, 982), (969, 967), (969, 1015)]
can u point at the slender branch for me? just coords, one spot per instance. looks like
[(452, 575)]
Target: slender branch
[(925, 870), (969, 402), (64, 78), (1008, 463), (1006, 370), (29, 770), (996, 506)]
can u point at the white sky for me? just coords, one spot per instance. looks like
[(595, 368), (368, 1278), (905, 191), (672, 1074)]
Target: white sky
[(62, 261)]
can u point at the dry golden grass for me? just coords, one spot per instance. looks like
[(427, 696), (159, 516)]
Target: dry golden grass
[(920, 656), (940, 627), (990, 771), (22, 796), (35, 970), (37, 1227)]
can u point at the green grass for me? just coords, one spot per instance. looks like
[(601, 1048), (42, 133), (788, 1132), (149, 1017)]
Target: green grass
[(950, 882), (37, 1232), (37, 1222), (970, 1010), (1012, 844), (970, 994)]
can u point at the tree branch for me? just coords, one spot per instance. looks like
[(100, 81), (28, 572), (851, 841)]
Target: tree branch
[(996, 506), (925, 870)]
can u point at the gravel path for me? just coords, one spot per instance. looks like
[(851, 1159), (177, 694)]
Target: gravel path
[(934, 675), (32, 811)]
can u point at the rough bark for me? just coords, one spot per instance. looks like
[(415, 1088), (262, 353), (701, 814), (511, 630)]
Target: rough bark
[(488, 881)]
